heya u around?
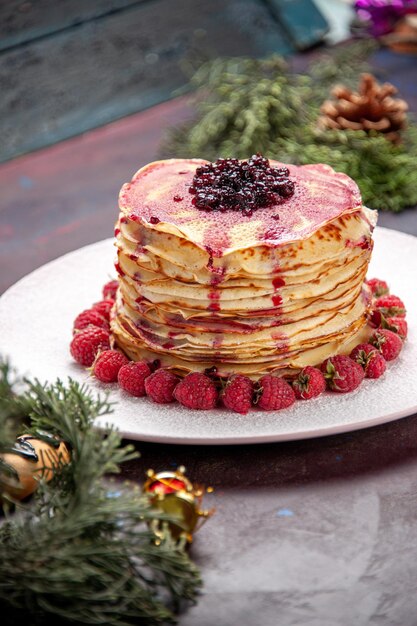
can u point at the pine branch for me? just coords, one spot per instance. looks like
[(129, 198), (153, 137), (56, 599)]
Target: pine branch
[(82, 549)]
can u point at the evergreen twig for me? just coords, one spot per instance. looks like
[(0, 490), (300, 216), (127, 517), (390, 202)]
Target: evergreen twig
[(81, 549)]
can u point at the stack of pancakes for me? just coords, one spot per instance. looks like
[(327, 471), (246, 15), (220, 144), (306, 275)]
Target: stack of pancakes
[(274, 291)]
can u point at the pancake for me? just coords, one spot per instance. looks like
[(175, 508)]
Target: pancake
[(272, 291)]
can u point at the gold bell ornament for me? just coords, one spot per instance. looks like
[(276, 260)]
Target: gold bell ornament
[(174, 494), (28, 461)]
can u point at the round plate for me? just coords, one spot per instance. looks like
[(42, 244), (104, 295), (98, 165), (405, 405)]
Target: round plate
[(36, 316)]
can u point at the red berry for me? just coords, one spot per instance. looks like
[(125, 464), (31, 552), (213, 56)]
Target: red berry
[(109, 289), (238, 394), (309, 383), (196, 391), (274, 393), (107, 365), (376, 318), (132, 377), (368, 357), (378, 287), (86, 344), (362, 354), (342, 374), (160, 386), (376, 366), (387, 342), (104, 307), (390, 306), (398, 325), (90, 317)]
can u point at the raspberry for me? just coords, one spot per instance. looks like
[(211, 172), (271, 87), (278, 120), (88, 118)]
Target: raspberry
[(274, 393), (376, 366), (378, 287), (87, 343), (390, 306), (342, 374), (104, 307), (309, 383), (376, 318), (368, 357), (90, 317), (109, 289), (363, 353), (107, 365), (398, 325), (132, 377), (196, 391), (160, 386), (238, 393), (388, 343)]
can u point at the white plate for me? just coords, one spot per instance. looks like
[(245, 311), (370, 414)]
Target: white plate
[(36, 316)]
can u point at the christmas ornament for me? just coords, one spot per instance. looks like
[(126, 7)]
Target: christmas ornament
[(174, 494), (372, 108), (80, 550), (27, 462), (381, 16)]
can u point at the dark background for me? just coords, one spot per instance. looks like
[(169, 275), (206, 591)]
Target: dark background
[(70, 65)]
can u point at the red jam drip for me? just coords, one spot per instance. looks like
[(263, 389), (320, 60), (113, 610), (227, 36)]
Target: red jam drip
[(364, 243), (119, 269), (214, 305), (278, 282), (154, 220), (217, 342), (230, 184), (277, 300)]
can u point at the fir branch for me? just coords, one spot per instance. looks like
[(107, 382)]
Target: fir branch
[(82, 549)]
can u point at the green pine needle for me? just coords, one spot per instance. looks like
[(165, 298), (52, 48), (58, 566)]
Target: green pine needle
[(81, 548)]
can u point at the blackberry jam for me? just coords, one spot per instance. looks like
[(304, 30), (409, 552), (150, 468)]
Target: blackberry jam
[(230, 184)]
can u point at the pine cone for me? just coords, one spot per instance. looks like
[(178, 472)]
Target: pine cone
[(372, 108)]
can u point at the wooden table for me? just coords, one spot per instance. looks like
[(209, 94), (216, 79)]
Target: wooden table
[(310, 533)]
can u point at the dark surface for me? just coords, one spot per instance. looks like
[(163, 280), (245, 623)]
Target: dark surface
[(24, 22), (69, 66), (311, 533)]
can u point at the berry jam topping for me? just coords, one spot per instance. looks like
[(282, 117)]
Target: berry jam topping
[(154, 220), (230, 184), (178, 198)]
